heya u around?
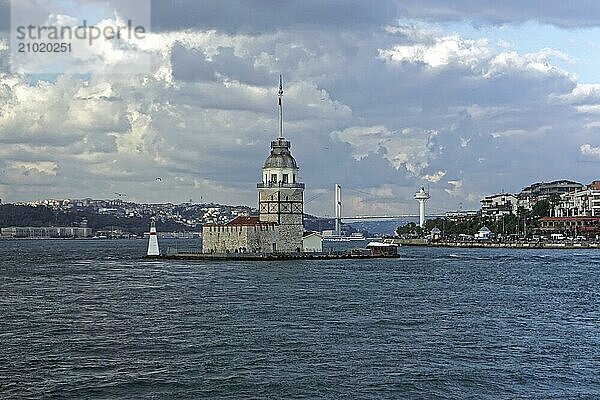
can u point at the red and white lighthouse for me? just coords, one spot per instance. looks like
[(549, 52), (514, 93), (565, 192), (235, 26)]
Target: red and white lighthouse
[(153, 241)]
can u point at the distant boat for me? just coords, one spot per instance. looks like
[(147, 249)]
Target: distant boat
[(352, 237), (335, 238), (356, 236)]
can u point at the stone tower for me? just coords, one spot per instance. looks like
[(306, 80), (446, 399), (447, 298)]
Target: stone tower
[(280, 195)]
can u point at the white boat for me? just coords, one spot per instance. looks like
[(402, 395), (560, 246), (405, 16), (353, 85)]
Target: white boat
[(335, 238), (356, 236)]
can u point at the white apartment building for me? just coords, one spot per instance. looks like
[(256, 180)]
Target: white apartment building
[(497, 205), (582, 203)]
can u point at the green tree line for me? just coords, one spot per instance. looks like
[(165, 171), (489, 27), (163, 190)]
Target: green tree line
[(509, 224)]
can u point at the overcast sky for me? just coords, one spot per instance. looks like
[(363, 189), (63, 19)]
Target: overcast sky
[(468, 97)]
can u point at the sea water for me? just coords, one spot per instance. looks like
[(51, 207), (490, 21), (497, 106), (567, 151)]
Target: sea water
[(92, 319)]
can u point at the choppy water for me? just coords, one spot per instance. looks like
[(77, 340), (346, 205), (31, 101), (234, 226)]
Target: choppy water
[(88, 319)]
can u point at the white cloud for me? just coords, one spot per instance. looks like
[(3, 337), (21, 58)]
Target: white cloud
[(442, 52), (435, 177), (408, 148), (572, 15), (423, 108), (103, 48), (38, 167), (521, 133), (589, 150), (456, 188), (415, 32), (584, 93), (537, 63), (588, 109), (479, 56), (32, 173)]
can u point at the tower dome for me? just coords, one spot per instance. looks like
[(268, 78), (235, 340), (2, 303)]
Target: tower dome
[(280, 156)]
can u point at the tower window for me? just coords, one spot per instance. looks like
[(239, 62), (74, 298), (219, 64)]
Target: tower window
[(273, 177), (285, 178), (294, 177)]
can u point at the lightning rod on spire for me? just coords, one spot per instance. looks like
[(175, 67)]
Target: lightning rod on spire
[(280, 108)]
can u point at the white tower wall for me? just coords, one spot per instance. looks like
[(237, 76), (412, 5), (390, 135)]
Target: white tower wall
[(421, 213), (422, 196)]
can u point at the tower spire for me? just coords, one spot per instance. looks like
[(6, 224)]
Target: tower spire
[(280, 95)]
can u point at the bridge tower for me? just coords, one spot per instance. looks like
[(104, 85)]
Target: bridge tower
[(338, 209)]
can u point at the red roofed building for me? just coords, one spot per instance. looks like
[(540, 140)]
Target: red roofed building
[(577, 213), (594, 185), (576, 226)]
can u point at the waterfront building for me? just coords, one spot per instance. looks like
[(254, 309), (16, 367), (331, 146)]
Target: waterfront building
[(383, 249), (576, 214), (45, 232), (581, 203), (279, 225), (240, 235), (312, 242), (498, 205), (572, 226), (544, 190), (435, 234), (484, 233), (460, 215)]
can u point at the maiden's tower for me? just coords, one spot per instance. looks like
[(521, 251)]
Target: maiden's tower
[(278, 228)]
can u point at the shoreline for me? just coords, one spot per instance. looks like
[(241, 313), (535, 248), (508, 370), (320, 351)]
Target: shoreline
[(267, 257), (66, 239), (401, 242), (516, 245)]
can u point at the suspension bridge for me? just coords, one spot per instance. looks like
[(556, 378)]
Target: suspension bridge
[(421, 196)]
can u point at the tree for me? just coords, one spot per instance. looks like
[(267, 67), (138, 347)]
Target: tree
[(409, 229), (554, 201), (541, 209)]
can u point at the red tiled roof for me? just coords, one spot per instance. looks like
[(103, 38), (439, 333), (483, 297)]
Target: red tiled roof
[(595, 185), (245, 221)]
